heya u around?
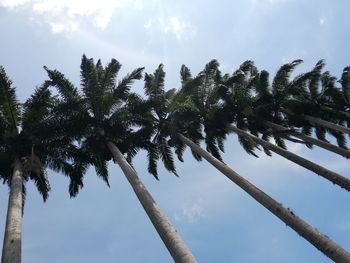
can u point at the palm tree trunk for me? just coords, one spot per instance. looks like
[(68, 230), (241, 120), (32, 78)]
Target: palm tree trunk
[(11, 250), (309, 139), (324, 172), (329, 109), (169, 235), (326, 124), (320, 241)]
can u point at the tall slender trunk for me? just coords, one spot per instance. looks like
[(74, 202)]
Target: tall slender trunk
[(11, 250), (329, 109), (324, 172), (317, 239), (169, 235), (326, 124), (309, 139)]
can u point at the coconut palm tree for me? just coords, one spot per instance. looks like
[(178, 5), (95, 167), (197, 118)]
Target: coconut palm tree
[(30, 142), (183, 121), (108, 121)]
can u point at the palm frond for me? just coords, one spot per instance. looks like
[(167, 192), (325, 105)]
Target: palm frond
[(9, 105), (320, 133), (65, 88), (185, 74), (220, 142), (167, 156), (41, 182), (212, 147), (100, 165), (179, 150), (281, 81), (123, 87), (153, 156), (154, 83), (87, 68), (315, 79), (76, 177), (340, 137), (248, 145), (108, 78), (37, 107), (266, 137), (345, 83), (280, 142)]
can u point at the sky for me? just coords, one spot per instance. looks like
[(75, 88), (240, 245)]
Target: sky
[(217, 220)]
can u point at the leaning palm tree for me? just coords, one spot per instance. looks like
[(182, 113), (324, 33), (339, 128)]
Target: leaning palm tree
[(269, 106), (255, 111), (108, 121), (30, 142), (183, 125), (157, 145), (312, 99), (306, 139), (311, 234)]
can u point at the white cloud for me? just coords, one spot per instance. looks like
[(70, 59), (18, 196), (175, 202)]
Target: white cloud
[(139, 4), (179, 28), (12, 3), (190, 213), (68, 15)]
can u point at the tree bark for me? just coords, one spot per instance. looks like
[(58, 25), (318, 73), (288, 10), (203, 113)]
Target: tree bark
[(317, 239), (169, 235), (326, 124), (324, 172), (329, 109), (11, 250), (325, 145)]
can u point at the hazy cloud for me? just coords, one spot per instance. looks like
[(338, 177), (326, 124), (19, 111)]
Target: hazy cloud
[(66, 15), (190, 213), (179, 28), (322, 21), (268, 1)]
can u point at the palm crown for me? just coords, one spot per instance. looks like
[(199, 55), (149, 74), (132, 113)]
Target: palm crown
[(103, 110), (30, 134)]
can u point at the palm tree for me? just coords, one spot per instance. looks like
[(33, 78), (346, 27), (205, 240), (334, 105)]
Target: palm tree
[(161, 104), (313, 98), (326, 124), (345, 92), (182, 123), (324, 172), (317, 239), (107, 118), (257, 110), (30, 142), (269, 108), (199, 96), (307, 139), (338, 97)]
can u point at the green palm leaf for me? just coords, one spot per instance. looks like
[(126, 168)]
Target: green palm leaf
[(9, 106)]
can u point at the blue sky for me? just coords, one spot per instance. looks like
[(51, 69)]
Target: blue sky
[(218, 221)]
